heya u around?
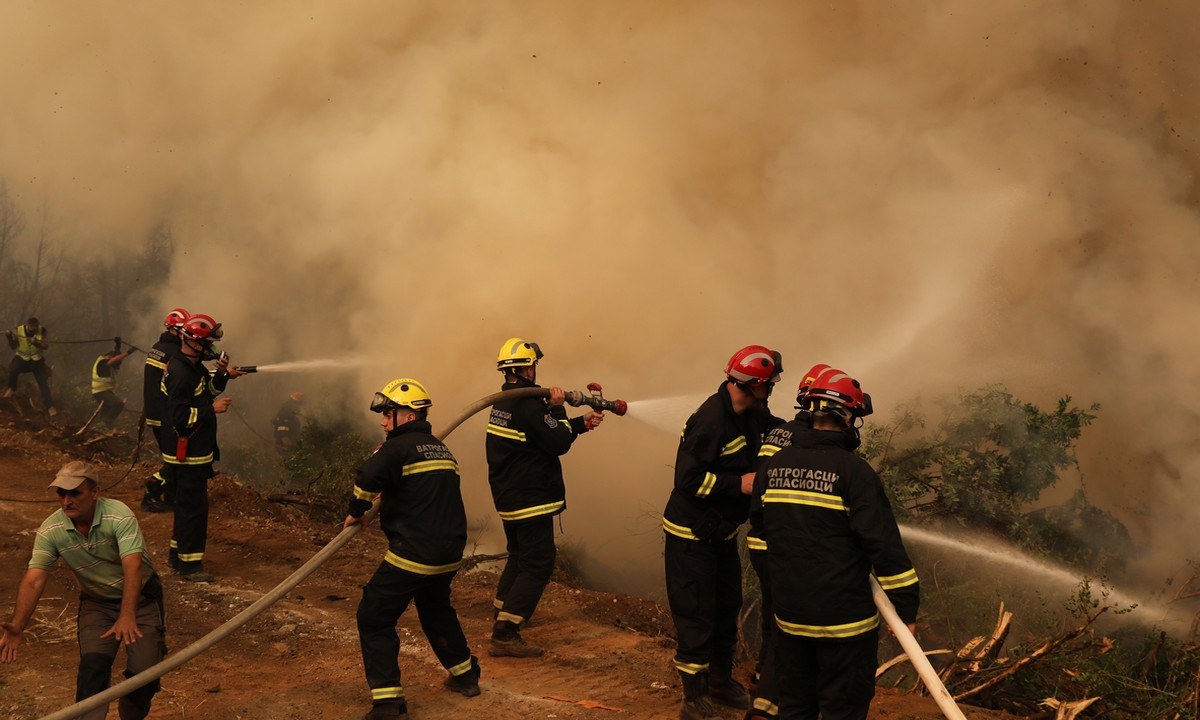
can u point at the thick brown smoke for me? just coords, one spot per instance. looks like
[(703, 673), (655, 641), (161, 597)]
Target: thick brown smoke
[(930, 194)]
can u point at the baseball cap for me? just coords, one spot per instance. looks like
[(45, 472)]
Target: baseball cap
[(74, 474)]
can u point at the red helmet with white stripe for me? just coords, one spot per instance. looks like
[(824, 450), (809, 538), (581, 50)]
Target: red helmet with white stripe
[(754, 365), (833, 389), (809, 378), (176, 318), (202, 327)]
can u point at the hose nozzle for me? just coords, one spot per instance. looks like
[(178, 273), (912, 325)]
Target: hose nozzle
[(595, 399), (248, 368)]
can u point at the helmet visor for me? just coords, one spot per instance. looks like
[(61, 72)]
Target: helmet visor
[(382, 403)]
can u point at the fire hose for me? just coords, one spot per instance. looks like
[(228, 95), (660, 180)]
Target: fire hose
[(933, 683), (575, 398)]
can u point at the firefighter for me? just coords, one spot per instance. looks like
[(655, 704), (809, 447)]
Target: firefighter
[(104, 384), (714, 468), (421, 513), (525, 438), (120, 600), (287, 423), (828, 526), (160, 491), (763, 690), (189, 439), (29, 341)]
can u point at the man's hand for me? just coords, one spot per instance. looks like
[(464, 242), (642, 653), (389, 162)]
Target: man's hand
[(557, 395), (233, 372), (124, 629), (9, 642), (351, 520), (912, 628), (221, 404), (748, 483), (592, 419)]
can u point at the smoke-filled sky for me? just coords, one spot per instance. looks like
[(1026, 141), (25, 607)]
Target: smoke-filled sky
[(931, 195)]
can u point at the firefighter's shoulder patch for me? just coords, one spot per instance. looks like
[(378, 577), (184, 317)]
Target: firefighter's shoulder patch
[(551, 422)]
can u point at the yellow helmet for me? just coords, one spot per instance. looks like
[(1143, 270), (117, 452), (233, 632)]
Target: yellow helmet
[(404, 392), (515, 352)]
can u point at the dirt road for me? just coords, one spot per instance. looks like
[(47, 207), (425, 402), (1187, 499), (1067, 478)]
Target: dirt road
[(608, 655)]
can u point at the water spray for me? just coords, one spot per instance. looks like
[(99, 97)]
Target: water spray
[(303, 365)]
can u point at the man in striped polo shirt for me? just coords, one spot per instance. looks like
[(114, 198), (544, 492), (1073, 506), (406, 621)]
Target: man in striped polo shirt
[(421, 512), (120, 601)]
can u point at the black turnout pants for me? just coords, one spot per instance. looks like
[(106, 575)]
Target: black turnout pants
[(96, 655), (831, 679), (385, 598), (191, 515), (767, 696), (112, 407), (704, 590), (530, 564), (41, 373)]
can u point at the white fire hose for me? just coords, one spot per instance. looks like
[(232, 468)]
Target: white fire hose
[(916, 655)]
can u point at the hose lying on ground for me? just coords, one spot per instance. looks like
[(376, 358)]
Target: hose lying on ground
[(275, 595), (915, 654)]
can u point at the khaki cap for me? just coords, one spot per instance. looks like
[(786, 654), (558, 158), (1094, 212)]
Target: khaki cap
[(74, 474)]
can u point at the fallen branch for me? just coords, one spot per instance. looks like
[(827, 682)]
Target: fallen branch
[(471, 561), (92, 419), (903, 658), (1036, 655)]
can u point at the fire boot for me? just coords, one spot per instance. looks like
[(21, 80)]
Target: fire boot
[(724, 689), (507, 642), (387, 711), (696, 705), (466, 685)]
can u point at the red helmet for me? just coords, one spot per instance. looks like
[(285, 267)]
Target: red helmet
[(809, 378), (202, 327), (176, 318), (834, 388), (754, 365)]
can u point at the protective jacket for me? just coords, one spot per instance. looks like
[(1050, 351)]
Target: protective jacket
[(190, 389), (154, 401), (828, 526), (717, 446), (104, 376), (776, 439), (525, 438), (27, 345), (422, 511)]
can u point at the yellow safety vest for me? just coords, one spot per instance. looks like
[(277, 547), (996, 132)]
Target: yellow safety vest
[(101, 383), (26, 350)]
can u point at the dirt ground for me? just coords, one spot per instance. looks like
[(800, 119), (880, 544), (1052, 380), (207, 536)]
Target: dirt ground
[(607, 655)]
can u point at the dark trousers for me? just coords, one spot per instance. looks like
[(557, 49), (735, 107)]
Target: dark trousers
[(833, 680), (113, 405), (190, 534), (96, 655), (704, 590), (385, 598), (160, 484), (41, 373), (766, 698), (530, 564)]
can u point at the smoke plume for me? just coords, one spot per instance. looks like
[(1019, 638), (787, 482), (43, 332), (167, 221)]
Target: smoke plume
[(931, 195)]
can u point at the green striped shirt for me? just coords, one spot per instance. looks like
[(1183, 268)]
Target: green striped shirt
[(96, 559)]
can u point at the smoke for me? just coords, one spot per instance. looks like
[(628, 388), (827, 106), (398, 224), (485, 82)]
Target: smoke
[(929, 194)]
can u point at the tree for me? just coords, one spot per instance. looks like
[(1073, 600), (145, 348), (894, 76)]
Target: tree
[(988, 458)]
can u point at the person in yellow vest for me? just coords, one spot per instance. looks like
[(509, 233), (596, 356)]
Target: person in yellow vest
[(28, 340), (104, 385)]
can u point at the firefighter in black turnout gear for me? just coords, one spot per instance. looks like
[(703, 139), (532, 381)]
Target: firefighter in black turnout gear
[(828, 526), (714, 468), (764, 690), (188, 439), (160, 492), (421, 513), (524, 441)]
